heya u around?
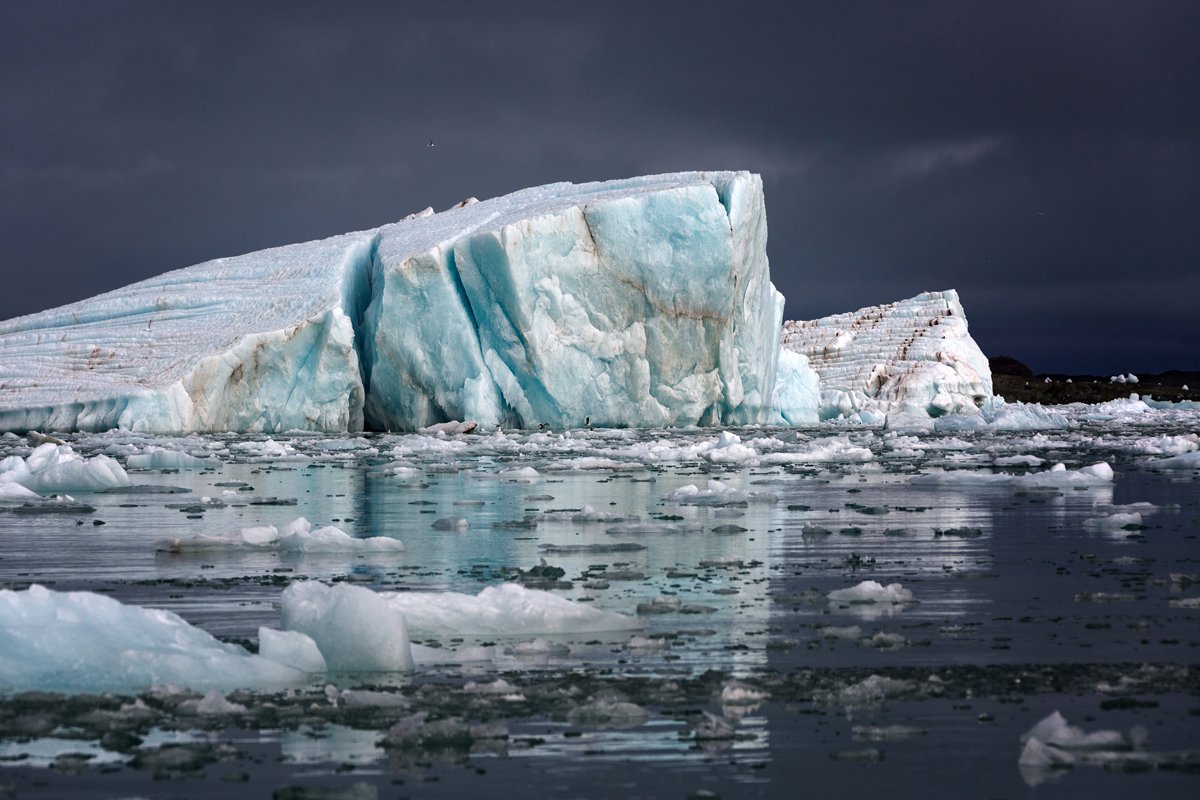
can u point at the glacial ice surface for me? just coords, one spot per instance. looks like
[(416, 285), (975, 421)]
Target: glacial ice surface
[(642, 302)]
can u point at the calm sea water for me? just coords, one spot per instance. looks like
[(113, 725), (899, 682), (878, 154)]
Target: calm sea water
[(1021, 609)]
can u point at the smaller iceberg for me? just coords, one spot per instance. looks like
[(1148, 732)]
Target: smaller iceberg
[(54, 468)]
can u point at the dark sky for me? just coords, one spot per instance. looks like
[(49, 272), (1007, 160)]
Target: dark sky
[(1043, 158)]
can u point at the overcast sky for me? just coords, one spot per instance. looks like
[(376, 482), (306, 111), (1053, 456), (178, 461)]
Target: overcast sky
[(1041, 157)]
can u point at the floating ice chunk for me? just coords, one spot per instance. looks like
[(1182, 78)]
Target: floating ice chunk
[(212, 704), (540, 646), (506, 609), (1163, 445), (885, 641), (715, 493), (738, 694), (498, 686), (367, 698), (585, 514), (872, 690), (1112, 522), (1183, 461), (587, 463), (1058, 476), (833, 449), (85, 642), (57, 468), (844, 632), (519, 474), (1055, 731), (355, 629), (729, 449), (152, 457), (646, 644), (1036, 754), (296, 536), (12, 492), (608, 713), (1019, 461), (452, 428), (872, 592), (652, 528), (714, 728), (332, 539), (291, 648), (267, 450), (428, 446)]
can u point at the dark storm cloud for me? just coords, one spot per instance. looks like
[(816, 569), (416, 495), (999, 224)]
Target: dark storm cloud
[(1042, 158)]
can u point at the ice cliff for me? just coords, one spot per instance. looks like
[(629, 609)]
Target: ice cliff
[(643, 302), (912, 359)]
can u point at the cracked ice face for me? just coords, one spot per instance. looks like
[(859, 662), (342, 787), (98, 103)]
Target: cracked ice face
[(633, 303)]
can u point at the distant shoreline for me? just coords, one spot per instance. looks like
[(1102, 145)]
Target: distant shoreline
[(1013, 381)]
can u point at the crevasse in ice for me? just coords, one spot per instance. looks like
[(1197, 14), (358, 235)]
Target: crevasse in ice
[(643, 302)]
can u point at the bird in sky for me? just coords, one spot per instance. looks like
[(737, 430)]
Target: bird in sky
[(430, 143)]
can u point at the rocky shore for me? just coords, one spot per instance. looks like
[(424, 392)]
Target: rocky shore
[(1014, 381)]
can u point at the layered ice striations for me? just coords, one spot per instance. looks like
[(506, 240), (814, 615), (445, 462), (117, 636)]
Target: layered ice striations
[(644, 302), (909, 360), (261, 342)]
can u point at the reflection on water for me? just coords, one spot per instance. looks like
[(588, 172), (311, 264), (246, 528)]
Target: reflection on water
[(736, 587)]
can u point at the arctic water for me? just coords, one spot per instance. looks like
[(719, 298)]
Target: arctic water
[(1024, 590)]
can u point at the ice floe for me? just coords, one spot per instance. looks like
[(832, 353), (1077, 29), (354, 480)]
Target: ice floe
[(355, 629), (505, 609), (87, 642), (872, 592), (58, 468), (297, 536)]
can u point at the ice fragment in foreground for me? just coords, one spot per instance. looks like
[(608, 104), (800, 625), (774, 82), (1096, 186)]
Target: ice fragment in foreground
[(354, 628), (85, 642)]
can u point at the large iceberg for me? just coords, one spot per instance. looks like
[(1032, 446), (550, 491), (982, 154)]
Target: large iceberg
[(643, 302), (909, 360)]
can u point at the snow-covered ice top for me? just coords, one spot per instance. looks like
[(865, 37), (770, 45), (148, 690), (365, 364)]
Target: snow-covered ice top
[(643, 302), (913, 358)]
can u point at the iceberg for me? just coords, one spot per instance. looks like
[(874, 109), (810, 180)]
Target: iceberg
[(641, 302), (912, 360)]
